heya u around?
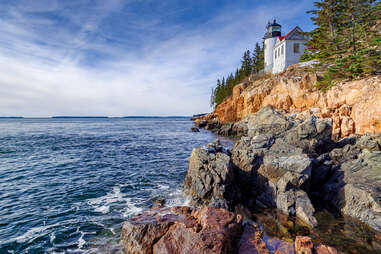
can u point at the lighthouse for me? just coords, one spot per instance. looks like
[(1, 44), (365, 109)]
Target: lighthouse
[(273, 32)]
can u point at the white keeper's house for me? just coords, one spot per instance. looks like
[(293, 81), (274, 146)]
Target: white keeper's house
[(282, 51)]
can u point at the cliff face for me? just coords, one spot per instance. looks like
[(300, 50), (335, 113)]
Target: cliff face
[(355, 106)]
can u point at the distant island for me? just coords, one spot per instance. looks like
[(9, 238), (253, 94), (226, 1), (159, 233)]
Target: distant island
[(79, 117), (11, 117), (133, 117)]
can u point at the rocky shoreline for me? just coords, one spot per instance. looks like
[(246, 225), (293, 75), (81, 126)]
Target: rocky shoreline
[(280, 162)]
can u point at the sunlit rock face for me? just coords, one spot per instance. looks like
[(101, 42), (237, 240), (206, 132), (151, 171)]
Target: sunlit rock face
[(354, 106)]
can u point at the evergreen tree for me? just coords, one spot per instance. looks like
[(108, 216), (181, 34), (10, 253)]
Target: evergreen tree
[(237, 76), (327, 14), (258, 59), (345, 45), (246, 63), (250, 63)]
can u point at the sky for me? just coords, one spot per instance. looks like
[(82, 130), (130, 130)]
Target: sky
[(127, 57)]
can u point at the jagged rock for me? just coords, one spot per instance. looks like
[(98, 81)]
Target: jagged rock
[(212, 125), (324, 249), (251, 240), (201, 123), (303, 245), (210, 176), (354, 188), (313, 135), (276, 168), (194, 129), (141, 233), (226, 130), (277, 246), (348, 152), (233, 129), (240, 128), (248, 154), (269, 121), (304, 208), (369, 142), (180, 230)]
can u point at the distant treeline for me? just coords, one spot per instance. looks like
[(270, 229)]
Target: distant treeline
[(346, 40), (251, 62)]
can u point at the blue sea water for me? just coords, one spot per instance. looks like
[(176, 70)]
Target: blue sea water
[(67, 185)]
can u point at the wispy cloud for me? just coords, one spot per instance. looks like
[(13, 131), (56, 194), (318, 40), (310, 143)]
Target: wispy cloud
[(112, 58)]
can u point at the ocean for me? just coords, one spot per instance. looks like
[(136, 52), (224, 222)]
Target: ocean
[(67, 185)]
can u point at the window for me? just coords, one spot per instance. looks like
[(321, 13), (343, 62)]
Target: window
[(282, 49), (296, 47)]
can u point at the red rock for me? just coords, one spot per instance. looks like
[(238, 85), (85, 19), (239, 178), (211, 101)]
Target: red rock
[(179, 230), (324, 249), (303, 245)]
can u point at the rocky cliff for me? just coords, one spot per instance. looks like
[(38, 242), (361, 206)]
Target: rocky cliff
[(284, 162), (354, 106)]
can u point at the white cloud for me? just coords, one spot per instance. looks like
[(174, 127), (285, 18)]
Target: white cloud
[(170, 76)]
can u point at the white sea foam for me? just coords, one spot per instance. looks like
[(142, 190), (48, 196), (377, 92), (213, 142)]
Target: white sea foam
[(134, 206), (52, 236), (102, 204), (33, 233), (81, 241), (131, 208), (163, 187), (177, 198)]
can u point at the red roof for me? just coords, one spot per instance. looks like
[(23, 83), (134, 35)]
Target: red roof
[(281, 38)]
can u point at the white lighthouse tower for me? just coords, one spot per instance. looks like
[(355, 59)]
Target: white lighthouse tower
[(273, 31)]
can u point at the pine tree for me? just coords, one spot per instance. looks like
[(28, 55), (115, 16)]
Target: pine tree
[(257, 59), (324, 37), (237, 76), (347, 47), (246, 63), (251, 62)]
